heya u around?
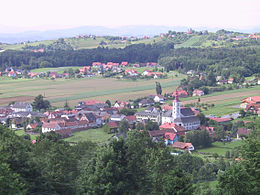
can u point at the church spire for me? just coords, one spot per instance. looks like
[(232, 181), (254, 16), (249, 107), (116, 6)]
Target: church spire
[(176, 107), (176, 96)]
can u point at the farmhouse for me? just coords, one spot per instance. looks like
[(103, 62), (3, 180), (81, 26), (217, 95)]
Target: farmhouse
[(183, 146)]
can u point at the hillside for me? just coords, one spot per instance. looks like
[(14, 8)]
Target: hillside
[(202, 39)]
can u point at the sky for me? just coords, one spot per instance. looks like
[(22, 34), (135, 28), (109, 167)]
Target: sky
[(21, 15)]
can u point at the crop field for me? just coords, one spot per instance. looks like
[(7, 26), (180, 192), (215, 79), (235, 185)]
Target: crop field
[(74, 90)]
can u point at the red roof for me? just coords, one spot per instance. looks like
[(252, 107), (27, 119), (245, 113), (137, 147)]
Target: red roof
[(181, 145), (91, 102), (124, 63), (220, 120), (180, 130), (180, 92), (113, 124), (166, 107), (169, 135), (252, 100), (131, 118)]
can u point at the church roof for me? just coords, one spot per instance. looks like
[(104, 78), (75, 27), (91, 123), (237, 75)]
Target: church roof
[(184, 111), (191, 119), (187, 112)]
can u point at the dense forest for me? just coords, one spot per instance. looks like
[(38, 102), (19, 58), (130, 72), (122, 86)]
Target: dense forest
[(133, 53), (135, 165)]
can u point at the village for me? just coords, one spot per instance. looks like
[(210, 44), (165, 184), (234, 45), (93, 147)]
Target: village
[(163, 121)]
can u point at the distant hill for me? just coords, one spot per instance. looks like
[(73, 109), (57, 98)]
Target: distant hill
[(148, 30)]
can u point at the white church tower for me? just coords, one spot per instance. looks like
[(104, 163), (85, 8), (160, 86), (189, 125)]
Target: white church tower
[(176, 107)]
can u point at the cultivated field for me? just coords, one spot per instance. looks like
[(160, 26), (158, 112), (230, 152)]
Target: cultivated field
[(74, 90), (225, 102)]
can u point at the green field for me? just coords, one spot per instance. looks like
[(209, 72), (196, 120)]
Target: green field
[(220, 147), (58, 69), (94, 135), (74, 90)]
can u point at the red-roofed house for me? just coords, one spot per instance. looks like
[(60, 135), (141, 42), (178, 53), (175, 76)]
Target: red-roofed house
[(121, 104), (197, 92), (180, 130), (85, 69), (221, 120), (131, 119), (32, 126), (146, 72), (155, 75), (183, 146), (250, 101), (170, 138), (124, 64), (180, 93), (131, 72), (96, 64), (12, 74), (230, 80), (113, 125)]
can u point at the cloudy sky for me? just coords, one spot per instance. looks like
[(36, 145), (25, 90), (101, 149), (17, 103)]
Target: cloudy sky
[(19, 15)]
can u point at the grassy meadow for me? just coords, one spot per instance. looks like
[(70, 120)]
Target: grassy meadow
[(94, 135)]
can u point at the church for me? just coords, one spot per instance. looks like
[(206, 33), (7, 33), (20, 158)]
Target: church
[(181, 116)]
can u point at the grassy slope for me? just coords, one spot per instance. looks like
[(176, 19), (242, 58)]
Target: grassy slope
[(220, 147), (58, 69), (94, 135)]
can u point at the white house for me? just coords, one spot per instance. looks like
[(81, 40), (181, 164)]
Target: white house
[(47, 127), (22, 107), (117, 117)]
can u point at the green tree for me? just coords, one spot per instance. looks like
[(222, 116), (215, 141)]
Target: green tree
[(108, 103), (150, 126), (219, 133), (158, 88), (124, 126), (40, 104)]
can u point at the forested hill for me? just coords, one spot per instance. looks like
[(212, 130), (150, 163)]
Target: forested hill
[(241, 61), (135, 165)]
